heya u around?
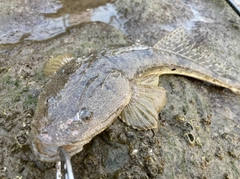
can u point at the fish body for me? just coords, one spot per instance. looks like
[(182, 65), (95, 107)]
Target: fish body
[(85, 96)]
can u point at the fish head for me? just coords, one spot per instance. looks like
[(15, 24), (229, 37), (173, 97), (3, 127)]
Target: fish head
[(82, 108)]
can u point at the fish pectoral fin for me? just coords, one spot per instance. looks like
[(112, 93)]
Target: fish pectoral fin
[(55, 63), (142, 111), (151, 80)]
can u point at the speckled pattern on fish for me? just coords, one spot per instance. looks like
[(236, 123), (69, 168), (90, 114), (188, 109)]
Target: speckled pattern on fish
[(85, 96)]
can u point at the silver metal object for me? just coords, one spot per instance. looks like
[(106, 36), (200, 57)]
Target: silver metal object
[(234, 6), (64, 166)]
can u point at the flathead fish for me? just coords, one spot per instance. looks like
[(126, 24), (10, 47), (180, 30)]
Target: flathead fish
[(85, 96)]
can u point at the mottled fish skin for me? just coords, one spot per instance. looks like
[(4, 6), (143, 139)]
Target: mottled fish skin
[(84, 97)]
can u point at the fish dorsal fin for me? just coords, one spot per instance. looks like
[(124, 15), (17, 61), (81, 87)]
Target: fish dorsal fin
[(55, 63), (142, 111), (177, 43)]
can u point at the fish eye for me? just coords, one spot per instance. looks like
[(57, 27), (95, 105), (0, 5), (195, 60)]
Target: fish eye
[(85, 114)]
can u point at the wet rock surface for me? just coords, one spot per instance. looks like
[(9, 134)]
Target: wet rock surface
[(199, 134)]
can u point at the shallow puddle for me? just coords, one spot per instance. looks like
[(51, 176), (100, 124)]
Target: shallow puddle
[(45, 20)]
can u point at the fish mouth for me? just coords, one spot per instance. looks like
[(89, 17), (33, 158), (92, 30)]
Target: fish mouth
[(48, 152)]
